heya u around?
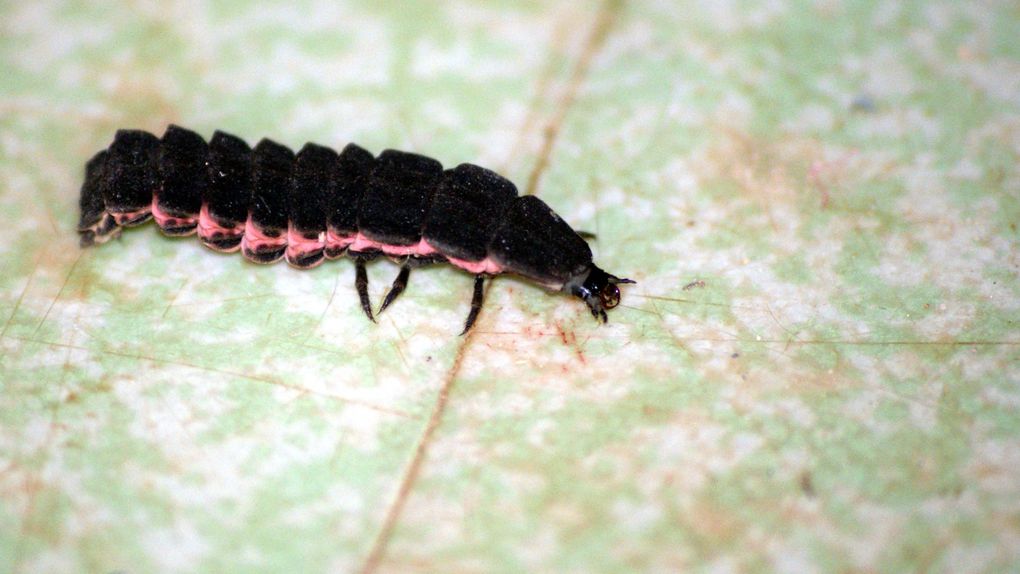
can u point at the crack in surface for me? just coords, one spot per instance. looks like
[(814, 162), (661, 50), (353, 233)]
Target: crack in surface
[(35, 482), (60, 293), (551, 132), (235, 374)]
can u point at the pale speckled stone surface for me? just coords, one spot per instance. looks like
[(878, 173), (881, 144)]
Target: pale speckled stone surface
[(841, 394)]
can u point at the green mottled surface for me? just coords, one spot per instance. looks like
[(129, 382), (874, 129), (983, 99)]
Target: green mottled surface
[(840, 394)]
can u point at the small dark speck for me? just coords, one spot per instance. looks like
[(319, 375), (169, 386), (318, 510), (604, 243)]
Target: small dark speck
[(428, 358), (734, 355), (690, 223), (696, 283), (862, 103), (806, 484)]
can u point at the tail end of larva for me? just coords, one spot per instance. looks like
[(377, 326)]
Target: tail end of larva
[(100, 232)]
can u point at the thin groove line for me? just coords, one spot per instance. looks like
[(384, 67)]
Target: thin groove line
[(173, 300), (235, 374), (411, 474), (60, 293), (36, 485), (552, 130), (21, 298), (788, 342), (545, 80)]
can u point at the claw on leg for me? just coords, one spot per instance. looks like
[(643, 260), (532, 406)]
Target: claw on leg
[(361, 284), (476, 303), (399, 284)]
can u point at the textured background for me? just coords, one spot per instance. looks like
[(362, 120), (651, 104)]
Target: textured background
[(841, 393)]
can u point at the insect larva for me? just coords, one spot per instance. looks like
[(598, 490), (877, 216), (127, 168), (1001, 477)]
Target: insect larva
[(271, 204)]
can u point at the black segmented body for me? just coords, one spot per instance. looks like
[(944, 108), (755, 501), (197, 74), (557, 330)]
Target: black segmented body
[(318, 204)]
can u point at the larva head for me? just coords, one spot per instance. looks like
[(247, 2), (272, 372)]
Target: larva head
[(597, 289)]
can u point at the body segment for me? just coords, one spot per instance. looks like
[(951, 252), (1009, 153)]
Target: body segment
[(265, 233), (535, 242), (228, 193), (129, 177), (95, 224), (348, 186), (311, 184), (182, 181), (466, 211), (397, 197)]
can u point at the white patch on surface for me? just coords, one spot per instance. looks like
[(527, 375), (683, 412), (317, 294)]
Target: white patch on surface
[(179, 548), (790, 559), (993, 468), (54, 559), (286, 66), (635, 518), (813, 118)]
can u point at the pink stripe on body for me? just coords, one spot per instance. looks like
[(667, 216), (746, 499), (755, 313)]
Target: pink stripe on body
[(164, 219), (254, 240), (362, 243), (335, 244), (209, 228), (299, 246), (486, 265), (422, 249), (126, 216)]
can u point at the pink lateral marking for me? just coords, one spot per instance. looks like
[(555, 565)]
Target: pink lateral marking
[(255, 241), (486, 265), (362, 243), (359, 242), (122, 217), (208, 227), (336, 242), (298, 245), (164, 219)]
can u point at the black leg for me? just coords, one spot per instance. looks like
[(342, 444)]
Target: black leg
[(361, 284), (399, 284), (476, 304)]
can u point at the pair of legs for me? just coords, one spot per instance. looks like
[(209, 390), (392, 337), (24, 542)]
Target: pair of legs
[(400, 283)]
